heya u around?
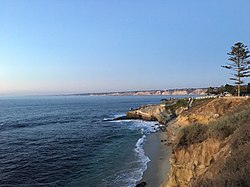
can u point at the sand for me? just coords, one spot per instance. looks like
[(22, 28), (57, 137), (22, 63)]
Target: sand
[(159, 155)]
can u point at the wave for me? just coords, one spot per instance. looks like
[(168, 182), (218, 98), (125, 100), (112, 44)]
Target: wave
[(114, 117), (147, 127), (142, 158), (133, 174), (119, 115), (130, 176)]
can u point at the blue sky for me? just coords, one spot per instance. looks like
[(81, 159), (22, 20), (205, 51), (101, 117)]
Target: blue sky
[(59, 46)]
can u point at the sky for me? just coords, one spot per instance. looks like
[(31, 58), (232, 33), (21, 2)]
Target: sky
[(81, 46)]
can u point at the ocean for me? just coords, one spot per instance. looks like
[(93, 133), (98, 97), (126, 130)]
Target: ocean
[(68, 141)]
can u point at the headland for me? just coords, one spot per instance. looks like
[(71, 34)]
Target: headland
[(209, 139)]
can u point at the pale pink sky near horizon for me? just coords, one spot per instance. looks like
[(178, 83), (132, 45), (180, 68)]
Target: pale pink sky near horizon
[(60, 47)]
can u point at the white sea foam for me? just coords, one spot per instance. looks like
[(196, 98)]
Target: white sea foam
[(143, 159), (131, 177), (146, 127), (119, 115), (124, 120), (115, 116), (108, 119)]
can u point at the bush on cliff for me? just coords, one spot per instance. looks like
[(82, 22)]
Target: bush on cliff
[(219, 129), (180, 103), (235, 171)]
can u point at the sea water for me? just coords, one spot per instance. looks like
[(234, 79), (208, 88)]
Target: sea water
[(68, 141)]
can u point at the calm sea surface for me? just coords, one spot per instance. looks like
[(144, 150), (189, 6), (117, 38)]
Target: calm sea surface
[(65, 141)]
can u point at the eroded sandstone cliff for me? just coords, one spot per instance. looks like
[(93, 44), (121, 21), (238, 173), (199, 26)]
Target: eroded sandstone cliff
[(210, 140), (207, 140)]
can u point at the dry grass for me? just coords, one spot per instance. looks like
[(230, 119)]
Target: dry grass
[(232, 170), (236, 170), (219, 129)]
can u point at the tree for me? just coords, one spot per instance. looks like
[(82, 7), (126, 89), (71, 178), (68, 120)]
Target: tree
[(211, 90), (230, 89), (238, 57), (221, 90), (216, 90)]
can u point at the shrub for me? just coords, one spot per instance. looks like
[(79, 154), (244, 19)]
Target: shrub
[(219, 129), (192, 134)]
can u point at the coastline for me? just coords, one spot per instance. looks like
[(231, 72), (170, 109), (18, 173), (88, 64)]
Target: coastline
[(159, 154)]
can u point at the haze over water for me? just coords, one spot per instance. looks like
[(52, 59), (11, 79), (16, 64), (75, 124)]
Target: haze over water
[(58, 47)]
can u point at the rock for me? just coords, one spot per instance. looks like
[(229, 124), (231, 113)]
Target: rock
[(151, 113), (142, 184), (216, 115), (120, 118)]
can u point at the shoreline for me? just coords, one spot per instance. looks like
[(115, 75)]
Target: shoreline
[(159, 154)]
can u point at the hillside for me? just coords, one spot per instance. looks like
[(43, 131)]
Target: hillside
[(211, 144), (210, 140)]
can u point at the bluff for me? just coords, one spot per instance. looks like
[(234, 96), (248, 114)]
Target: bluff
[(211, 144), (210, 140)]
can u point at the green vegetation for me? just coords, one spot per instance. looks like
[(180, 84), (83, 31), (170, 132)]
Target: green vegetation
[(235, 169), (180, 103), (219, 129), (238, 57), (230, 89), (244, 89), (173, 105), (200, 101)]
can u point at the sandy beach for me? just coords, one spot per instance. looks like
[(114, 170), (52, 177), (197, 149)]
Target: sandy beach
[(159, 154)]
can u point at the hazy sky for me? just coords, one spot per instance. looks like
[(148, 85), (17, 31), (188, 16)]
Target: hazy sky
[(71, 46)]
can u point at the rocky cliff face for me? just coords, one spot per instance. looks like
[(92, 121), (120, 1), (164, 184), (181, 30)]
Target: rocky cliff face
[(203, 112), (212, 160), (211, 140), (230, 165), (185, 91), (210, 109), (188, 163)]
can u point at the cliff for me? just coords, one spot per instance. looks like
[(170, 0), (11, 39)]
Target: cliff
[(210, 140), (184, 91), (202, 112), (211, 144)]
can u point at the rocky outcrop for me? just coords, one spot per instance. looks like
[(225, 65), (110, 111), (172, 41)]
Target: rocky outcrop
[(188, 163), (151, 113), (212, 161)]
